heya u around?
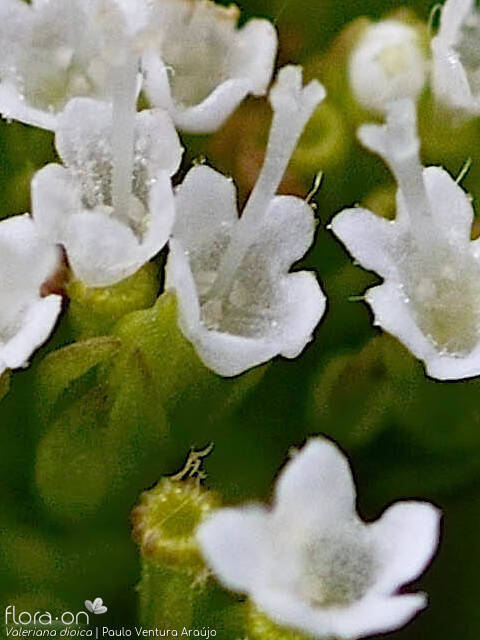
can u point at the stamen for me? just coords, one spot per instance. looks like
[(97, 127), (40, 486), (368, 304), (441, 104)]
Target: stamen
[(123, 133), (398, 143), (293, 106)]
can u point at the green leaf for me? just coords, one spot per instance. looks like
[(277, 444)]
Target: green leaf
[(60, 368), (71, 472)]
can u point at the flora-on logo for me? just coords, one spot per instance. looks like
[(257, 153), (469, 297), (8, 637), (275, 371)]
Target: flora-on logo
[(45, 618), (96, 606)]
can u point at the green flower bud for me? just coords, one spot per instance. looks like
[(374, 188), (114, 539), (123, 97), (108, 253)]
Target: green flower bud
[(333, 70), (324, 144), (165, 521), (260, 627), (358, 412), (60, 369), (94, 311), (71, 470), (173, 572), (154, 338)]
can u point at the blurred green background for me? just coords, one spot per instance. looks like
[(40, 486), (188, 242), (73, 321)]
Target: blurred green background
[(81, 436)]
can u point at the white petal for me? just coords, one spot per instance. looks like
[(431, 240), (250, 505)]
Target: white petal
[(36, 325), (26, 320), (451, 82), (226, 354), (162, 215), (370, 239), (12, 10), (27, 260), (205, 208), (39, 49), (101, 250), (230, 355), (394, 316), (157, 141), (285, 234), (305, 304), (83, 137), (450, 205), (316, 485), (235, 544), (55, 195), (83, 131), (208, 82), (12, 105), (136, 13), (406, 537), (179, 278), (206, 116), (454, 14), (254, 55), (370, 616), (209, 114)]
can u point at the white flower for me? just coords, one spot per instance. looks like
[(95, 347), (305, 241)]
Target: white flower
[(26, 318), (387, 63), (456, 57), (111, 206), (54, 50), (311, 563), (201, 66), (238, 304), (430, 299)]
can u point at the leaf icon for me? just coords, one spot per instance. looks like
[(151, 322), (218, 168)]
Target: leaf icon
[(96, 606)]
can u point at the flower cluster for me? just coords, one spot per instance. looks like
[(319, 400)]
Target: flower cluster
[(311, 563), (117, 82), (430, 299), (238, 303), (78, 69)]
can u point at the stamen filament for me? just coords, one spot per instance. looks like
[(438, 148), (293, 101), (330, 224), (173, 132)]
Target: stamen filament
[(123, 133), (397, 142), (289, 119)]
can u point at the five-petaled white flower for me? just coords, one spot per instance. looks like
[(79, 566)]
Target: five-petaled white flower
[(111, 206), (456, 57), (200, 66), (54, 50), (430, 299), (387, 63), (238, 304), (26, 318), (310, 563)]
